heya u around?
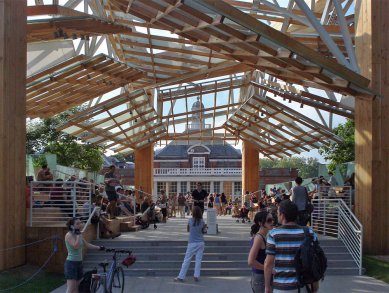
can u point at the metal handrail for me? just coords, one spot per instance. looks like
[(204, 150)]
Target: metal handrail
[(90, 218), (333, 217), (54, 202)]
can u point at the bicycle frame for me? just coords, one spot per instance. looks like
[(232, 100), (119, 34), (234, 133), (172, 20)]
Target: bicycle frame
[(106, 278), (109, 275)]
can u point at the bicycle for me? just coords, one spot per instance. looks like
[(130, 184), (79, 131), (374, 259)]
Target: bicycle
[(113, 280)]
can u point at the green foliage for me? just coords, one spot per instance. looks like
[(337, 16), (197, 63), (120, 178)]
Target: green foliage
[(343, 152), (43, 137), (77, 155), (307, 167), (38, 161), (43, 282), (124, 157), (376, 268)]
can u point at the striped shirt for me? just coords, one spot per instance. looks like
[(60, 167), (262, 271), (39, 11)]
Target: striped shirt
[(283, 243)]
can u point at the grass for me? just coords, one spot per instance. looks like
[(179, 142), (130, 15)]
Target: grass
[(376, 268), (42, 283)]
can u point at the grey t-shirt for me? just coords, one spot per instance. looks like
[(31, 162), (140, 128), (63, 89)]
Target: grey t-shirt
[(195, 232), (300, 197)]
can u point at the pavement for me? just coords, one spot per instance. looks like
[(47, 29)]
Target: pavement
[(175, 229), (331, 284)]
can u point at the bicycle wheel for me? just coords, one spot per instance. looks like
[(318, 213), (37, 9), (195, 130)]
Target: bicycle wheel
[(117, 285), (94, 285)]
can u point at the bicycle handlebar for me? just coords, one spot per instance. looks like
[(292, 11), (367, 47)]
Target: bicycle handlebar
[(118, 250)]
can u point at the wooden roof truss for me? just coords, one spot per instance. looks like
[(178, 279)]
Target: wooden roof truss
[(74, 82), (122, 124), (276, 129), (296, 53)]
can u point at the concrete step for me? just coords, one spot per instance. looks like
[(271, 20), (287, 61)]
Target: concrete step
[(206, 263), (221, 258), (233, 256)]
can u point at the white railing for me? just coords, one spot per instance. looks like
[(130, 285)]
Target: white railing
[(197, 171), (54, 202), (337, 192), (332, 217), (194, 126)]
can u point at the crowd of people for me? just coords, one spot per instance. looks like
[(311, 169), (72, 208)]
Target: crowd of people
[(277, 231)]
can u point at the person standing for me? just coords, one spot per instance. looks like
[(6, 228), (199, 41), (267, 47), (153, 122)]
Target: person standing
[(75, 244), (196, 228), (332, 180), (300, 197), (281, 247), (189, 202), (223, 203), (181, 205), (164, 203), (111, 182), (263, 223), (199, 195)]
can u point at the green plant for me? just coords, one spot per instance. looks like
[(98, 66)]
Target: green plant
[(376, 268), (342, 152), (38, 161)]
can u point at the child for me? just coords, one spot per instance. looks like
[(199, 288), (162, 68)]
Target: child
[(196, 228)]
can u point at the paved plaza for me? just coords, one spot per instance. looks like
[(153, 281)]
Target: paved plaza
[(175, 229)]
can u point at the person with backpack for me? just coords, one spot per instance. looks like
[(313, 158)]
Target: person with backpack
[(263, 223), (285, 248)]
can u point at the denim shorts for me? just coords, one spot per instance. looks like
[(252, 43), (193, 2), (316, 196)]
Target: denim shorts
[(257, 283), (73, 270)]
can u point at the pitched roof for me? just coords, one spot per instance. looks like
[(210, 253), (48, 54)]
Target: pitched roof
[(173, 151)]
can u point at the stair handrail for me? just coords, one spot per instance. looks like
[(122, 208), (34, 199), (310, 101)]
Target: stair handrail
[(354, 242), (350, 212), (349, 228), (95, 209)]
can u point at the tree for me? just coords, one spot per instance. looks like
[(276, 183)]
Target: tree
[(43, 137), (307, 167), (342, 152)]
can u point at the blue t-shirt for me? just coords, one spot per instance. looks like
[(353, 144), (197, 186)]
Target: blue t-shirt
[(195, 232), (284, 242)]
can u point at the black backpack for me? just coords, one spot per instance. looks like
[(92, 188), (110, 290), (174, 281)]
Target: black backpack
[(84, 286), (310, 261)]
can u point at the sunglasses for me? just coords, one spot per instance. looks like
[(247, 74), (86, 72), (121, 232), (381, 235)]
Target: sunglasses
[(269, 220)]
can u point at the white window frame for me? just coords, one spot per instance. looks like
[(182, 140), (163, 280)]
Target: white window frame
[(198, 162)]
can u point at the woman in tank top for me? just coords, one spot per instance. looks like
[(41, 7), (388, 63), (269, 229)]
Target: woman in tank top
[(73, 264), (263, 223)]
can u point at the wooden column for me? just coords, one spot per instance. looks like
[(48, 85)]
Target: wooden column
[(144, 169), (250, 167), (371, 125), (12, 130)]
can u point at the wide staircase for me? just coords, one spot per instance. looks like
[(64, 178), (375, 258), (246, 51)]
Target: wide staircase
[(161, 252)]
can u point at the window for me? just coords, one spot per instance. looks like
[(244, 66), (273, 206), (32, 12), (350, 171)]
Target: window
[(237, 188), (198, 162), (173, 188), (160, 186), (206, 186), (184, 187), (192, 186), (216, 187)]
